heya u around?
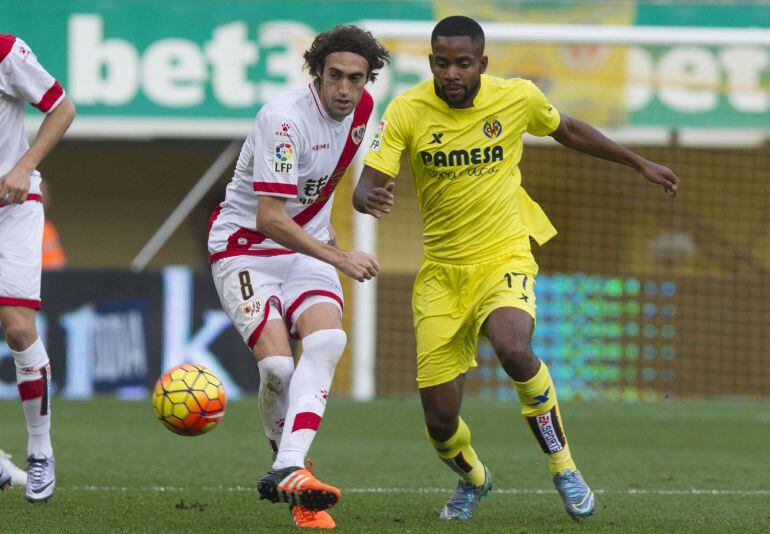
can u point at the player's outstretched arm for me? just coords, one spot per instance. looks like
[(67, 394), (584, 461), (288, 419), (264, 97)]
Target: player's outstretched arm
[(275, 223), (374, 192), (14, 185), (578, 135)]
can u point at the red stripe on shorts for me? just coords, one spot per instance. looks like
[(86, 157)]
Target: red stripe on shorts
[(306, 421), (21, 303), (258, 331), (313, 292), (31, 197)]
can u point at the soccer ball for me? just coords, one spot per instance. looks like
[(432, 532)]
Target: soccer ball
[(189, 399)]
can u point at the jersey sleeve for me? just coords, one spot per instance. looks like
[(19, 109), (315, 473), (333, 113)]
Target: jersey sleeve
[(390, 139), (276, 156), (543, 117), (23, 77)]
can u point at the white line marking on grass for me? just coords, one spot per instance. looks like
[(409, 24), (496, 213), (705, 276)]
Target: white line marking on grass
[(400, 491)]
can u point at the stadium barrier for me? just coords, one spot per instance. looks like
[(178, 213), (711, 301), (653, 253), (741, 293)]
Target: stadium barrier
[(114, 332)]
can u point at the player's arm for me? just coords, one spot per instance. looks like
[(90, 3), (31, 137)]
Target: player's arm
[(578, 135), (14, 185), (275, 223), (374, 192)]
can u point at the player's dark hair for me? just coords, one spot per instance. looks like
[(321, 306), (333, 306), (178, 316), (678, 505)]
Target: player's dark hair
[(457, 25), (346, 38)]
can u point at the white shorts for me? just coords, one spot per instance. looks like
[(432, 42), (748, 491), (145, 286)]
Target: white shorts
[(256, 289), (21, 250)]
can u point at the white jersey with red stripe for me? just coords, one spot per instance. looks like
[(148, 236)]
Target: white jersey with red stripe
[(294, 150), (22, 79)]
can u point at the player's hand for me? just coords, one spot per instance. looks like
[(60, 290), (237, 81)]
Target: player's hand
[(358, 265), (14, 186), (380, 200), (660, 174)]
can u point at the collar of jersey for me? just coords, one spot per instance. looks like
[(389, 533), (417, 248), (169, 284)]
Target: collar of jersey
[(477, 100), (319, 106)]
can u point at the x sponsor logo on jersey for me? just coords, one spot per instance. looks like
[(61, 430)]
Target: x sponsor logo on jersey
[(436, 138)]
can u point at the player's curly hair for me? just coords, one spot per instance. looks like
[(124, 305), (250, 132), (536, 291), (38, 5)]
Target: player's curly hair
[(346, 38)]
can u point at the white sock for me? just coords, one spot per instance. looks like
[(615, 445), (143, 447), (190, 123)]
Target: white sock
[(33, 376), (274, 378), (308, 391)]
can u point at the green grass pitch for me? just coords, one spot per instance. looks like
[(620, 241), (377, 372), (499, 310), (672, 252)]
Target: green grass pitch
[(658, 467)]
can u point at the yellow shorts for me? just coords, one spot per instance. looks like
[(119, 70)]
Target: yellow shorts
[(450, 304)]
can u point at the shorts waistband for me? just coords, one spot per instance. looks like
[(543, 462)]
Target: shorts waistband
[(34, 197), (503, 257)]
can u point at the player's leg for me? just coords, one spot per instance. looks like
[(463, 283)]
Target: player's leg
[(446, 349), (21, 235), (509, 330), (249, 289), (276, 367), (323, 341), (313, 314), (33, 377), (275, 373), (451, 439), (319, 327)]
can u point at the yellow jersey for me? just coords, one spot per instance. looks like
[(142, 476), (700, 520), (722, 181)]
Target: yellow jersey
[(464, 165)]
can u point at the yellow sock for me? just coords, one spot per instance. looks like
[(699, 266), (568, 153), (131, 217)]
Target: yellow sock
[(458, 454), (541, 410)]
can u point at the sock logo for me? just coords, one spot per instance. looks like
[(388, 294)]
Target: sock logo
[(541, 399), (458, 464), (547, 430)]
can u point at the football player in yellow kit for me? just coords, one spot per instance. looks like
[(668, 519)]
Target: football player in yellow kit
[(462, 131)]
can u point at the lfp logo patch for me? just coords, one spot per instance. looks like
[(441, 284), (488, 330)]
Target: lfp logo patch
[(378, 133), (283, 158), (492, 128), (284, 152)]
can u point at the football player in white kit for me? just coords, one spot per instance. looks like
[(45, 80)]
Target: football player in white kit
[(274, 255), (22, 80)]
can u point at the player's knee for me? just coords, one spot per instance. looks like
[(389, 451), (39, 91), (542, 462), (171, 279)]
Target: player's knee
[(275, 375), (441, 426), (325, 346), (19, 335), (516, 353)]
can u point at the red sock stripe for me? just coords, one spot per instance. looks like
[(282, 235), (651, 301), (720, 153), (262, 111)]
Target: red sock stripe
[(32, 390), (306, 420)]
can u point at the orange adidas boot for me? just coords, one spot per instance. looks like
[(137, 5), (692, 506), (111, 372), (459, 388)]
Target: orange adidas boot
[(304, 518), (297, 486)]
